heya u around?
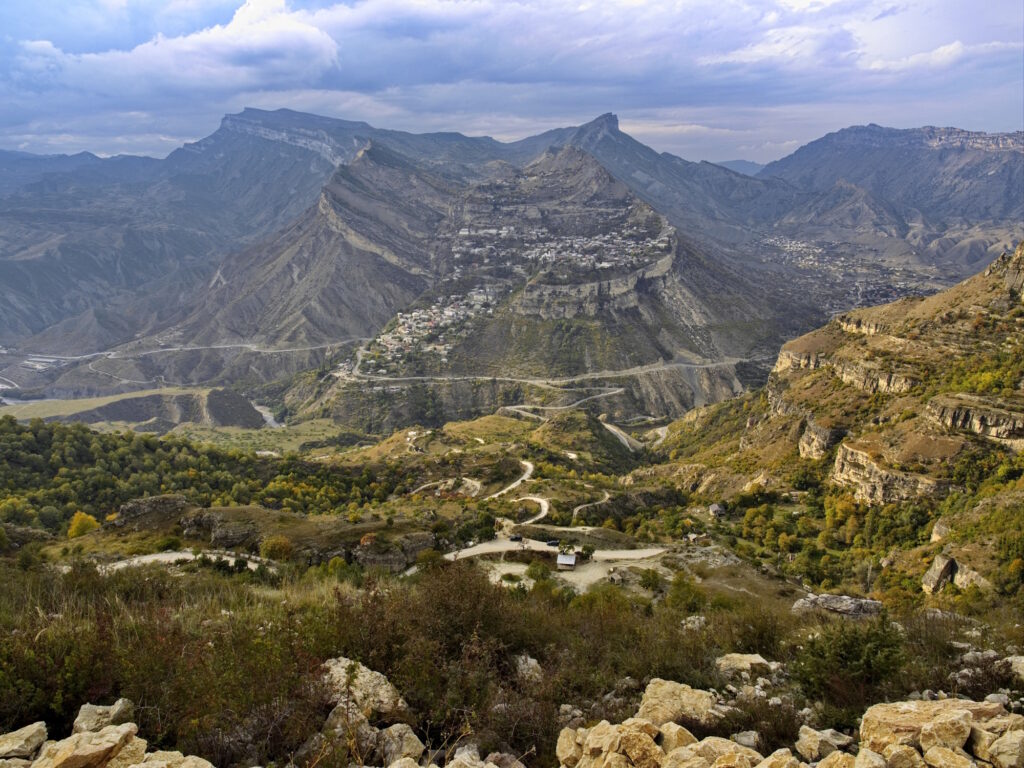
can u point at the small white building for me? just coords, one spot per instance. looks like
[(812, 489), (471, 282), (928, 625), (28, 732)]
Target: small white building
[(716, 510), (567, 561)]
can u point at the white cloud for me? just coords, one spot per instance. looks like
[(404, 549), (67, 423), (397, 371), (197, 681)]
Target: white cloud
[(943, 56)]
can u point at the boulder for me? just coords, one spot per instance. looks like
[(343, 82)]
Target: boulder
[(732, 760), (569, 748), (750, 739), (405, 762), (902, 756), (844, 605), (165, 759), (1003, 723), (528, 669), (1008, 750), (665, 701), (732, 664), (901, 722), (370, 691), (714, 747), (95, 718), (1017, 666), (132, 753), (980, 741), (503, 760), (24, 742), (684, 757), (949, 729), (944, 757), (837, 760), (867, 758), (86, 750), (349, 725), (814, 745), (397, 742), (939, 573), (638, 745), (674, 736), (780, 758)]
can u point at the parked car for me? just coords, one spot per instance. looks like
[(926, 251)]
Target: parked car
[(552, 542), (515, 537)]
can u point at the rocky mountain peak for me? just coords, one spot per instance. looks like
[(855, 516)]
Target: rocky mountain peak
[(590, 134)]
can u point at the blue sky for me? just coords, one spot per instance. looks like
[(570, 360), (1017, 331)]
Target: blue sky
[(704, 79)]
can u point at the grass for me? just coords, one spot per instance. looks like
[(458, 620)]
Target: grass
[(45, 409)]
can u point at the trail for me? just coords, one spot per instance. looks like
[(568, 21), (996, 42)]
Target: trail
[(662, 434), (504, 545), (544, 504), (527, 474), (576, 510), (169, 558), (630, 444)]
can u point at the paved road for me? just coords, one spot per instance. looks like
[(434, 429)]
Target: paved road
[(577, 509), (544, 504), (504, 545)]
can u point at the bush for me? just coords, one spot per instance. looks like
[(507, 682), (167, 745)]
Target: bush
[(277, 547), (81, 524), (847, 663)]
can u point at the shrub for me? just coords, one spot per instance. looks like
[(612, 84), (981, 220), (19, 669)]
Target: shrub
[(277, 547), (81, 524)]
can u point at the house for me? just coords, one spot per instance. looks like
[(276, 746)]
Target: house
[(716, 510), (567, 561)]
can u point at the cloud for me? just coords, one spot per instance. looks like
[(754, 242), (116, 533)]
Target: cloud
[(695, 76)]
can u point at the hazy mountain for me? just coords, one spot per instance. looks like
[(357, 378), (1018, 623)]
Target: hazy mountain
[(746, 167)]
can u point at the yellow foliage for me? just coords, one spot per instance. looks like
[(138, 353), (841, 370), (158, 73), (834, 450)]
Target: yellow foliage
[(82, 524)]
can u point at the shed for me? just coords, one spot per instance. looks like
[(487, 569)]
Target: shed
[(716, 510), (567, 561)]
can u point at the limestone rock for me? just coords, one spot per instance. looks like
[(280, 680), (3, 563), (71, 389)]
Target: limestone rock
[(95, 718), (844, 605), (950, 729), (14, 762), (738, 663), (684, 757), (1008, 750), (24, 742), (780, 758), (714, 747), (674, 736), (528, 669), (902, 756), (837, 760), (901, 722), (980, 741), (665, 701), (639, 747), (939, 573), (405, 762), (397, 742), (1003, 723), (814, 745), (165, 759), (348, 724), (867, 758), (503, 760), (85, 750), (944, 757), (369, 690), (1017, 665), (732, 760), (132, 753), (569, 748)]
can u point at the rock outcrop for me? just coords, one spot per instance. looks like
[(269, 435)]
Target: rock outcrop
[(844, 605), (874, 484), (665, 701), (939, 573), (977, 415), (372, 694)]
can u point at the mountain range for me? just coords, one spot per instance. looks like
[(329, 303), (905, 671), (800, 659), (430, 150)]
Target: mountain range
[(283, 241)]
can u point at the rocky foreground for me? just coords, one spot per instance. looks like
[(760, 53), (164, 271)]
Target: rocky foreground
[(942, 733)]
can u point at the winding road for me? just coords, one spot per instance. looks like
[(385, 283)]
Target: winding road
[(527, 474)]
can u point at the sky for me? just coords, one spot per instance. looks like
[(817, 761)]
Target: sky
[(703, 79)]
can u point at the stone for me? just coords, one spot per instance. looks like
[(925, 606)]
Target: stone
[(749, 739), (732, 760), (503, 760), (132, 753), (528, 669), (466, 756), (714, 747), (1008, 750), (867, 758), (95, 718), (837, 760), (1003, 723), (980, 741), (85, 750), (349, 725), (24, 742), (684, 757), (814, 745), (167, 759), (399, 741), (369, 690), (939, 573), (902, 756), (665, 701), (639, 747), (404, 762), (569, 748), (732, 664), (844, 605), (944, 757), (1016, 666), (674, 736), (951, 730), (901, 722), (14, 762), (780, 758)]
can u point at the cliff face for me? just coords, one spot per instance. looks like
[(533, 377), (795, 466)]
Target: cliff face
[(874, 484)]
